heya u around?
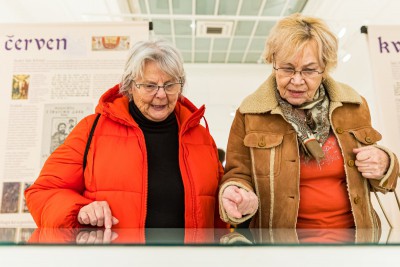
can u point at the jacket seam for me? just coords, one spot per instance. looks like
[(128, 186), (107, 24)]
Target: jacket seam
[(271, 185), (256, 186)]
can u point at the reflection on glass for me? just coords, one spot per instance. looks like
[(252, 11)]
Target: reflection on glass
[(225, 237)]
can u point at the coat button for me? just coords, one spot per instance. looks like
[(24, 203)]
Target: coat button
[(350, 163), (339, 130), (261, 143), (356, 200), (368, 140)]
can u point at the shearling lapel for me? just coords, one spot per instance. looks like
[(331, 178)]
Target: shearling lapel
[(263, 99)]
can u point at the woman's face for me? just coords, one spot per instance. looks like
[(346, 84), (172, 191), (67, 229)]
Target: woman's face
[(299, 88), (159, 106)]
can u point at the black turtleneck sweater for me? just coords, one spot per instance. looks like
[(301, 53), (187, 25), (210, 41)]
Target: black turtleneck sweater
[(165, 197)]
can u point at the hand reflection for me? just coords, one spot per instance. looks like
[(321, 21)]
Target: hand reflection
[(235, 238), (96, 236)]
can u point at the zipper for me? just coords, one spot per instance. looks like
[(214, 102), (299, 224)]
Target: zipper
[(190, 181)]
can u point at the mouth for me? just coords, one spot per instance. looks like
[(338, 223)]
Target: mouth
[(158, 107), (296, 93)]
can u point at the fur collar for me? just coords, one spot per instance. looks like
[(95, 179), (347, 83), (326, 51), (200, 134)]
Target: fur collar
[(263, 99)]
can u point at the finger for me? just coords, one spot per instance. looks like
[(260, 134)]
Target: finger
[(92, 216), (249, 203), (363, 148), (114, 220), (107, 236), (92, 237), (114, 236), (99, 237), (83, 217), (82, 237), (231, 208), (363, 156), (232, 194), (99, 213), (364, 169), (107, 216), (368, 175)]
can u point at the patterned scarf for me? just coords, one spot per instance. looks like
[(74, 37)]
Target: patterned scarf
[(313, 130)]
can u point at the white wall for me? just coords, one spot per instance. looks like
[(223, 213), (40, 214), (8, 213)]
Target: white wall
[(222, 87)]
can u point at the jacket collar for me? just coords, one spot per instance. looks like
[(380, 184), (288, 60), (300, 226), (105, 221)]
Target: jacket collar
[(263, 99)]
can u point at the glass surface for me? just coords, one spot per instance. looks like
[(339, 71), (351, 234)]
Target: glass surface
[(207, 236)]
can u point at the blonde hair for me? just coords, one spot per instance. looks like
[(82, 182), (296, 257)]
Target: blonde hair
[(290, 35)]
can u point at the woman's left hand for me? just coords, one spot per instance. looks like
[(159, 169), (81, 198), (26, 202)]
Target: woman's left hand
[(371, 161)]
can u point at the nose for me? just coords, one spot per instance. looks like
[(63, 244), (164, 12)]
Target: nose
[(297, 78), (160, 93)]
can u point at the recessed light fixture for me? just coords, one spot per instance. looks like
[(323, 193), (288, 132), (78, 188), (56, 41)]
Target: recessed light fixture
[(346, 57), (214, 28), (342, 32)]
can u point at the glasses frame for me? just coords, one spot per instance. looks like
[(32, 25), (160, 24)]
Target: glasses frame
[(155, 91), (298, 71)]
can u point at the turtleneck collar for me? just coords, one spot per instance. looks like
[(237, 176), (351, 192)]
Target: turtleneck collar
[(149, 125)]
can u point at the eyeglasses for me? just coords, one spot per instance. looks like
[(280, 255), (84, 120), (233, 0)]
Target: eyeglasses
[(152, 89), (289, 72)]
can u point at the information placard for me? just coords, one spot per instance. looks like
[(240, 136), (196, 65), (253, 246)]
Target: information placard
[(51, 76)]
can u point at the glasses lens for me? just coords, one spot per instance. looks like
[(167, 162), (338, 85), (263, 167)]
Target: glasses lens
[(149, 88), (286, 72), (309, 73), (172, 88)]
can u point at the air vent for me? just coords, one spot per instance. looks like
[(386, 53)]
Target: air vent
[(214, 28)]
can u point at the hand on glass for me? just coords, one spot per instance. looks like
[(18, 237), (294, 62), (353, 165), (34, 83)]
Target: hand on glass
[(238, 202), (97, 213), (371, 161), (96, 236)]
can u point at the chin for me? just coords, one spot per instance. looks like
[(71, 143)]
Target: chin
[(296, 102)]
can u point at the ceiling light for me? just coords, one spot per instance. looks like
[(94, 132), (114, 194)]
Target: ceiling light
[(346, 57), (214, 28), (342, 32)]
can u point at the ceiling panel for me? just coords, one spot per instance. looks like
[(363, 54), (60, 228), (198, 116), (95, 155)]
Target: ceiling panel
[(181, 6), (221, 44), (244, 28), (204, 7), (228, 7), (182, 27), (158, 6), (184, 43), (250, 8)]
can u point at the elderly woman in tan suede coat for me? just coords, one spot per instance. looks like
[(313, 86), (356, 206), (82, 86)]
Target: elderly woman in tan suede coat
[(302, 152)]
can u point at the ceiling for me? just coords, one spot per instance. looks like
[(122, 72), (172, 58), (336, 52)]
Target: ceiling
[(215, 31), (238, 27)]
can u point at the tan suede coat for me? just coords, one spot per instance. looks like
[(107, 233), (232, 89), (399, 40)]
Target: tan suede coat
[(263, 156)]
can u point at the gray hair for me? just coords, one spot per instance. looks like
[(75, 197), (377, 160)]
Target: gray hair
[(167, 56)]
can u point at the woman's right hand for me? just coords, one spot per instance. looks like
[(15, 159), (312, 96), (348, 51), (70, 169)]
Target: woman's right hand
[(238, 202), (97, 213)]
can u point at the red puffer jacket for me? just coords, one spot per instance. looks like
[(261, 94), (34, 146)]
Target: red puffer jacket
[(116, 169)]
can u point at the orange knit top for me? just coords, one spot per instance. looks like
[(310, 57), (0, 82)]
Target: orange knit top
[(324, 200)]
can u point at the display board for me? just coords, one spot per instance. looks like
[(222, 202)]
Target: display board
[(51, 76), (384, 49)]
